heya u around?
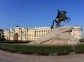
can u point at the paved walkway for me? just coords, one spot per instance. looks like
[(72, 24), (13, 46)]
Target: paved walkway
[(13, 57)]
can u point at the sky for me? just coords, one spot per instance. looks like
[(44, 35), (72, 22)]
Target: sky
[(39, 13)]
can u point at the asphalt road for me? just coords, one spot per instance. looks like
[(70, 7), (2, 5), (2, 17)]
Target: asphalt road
[(14, 57)]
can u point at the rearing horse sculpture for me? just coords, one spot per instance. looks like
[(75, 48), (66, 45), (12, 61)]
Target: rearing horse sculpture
[(61, 16)]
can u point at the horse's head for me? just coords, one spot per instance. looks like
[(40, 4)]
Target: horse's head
[(64, 11)]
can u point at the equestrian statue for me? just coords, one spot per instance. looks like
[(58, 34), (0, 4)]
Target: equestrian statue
[(61, 16)]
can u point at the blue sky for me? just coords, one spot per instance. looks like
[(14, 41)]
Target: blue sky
[(31, 13)]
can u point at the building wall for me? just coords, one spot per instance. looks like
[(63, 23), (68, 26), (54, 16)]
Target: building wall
[(77, 32), (36, 32), (7, 34), (20, 31)]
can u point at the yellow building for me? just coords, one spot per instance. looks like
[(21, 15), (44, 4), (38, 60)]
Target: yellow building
[(17, 33), (35, 33), (25, 34), (77, 32)]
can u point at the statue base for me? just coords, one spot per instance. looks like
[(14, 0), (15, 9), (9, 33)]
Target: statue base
[(58, 36)]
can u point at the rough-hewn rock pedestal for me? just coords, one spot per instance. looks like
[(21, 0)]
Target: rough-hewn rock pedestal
[(58, 36)]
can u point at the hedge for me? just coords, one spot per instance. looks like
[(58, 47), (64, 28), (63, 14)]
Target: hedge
[(43, 49), (36, 49), (79, 48), (81, 40)]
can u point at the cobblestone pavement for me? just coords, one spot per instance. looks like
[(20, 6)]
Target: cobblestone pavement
[(14, 57)]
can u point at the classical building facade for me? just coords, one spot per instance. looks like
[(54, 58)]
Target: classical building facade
[(77, 32), (17, 33), (25, 34), (35, 33)]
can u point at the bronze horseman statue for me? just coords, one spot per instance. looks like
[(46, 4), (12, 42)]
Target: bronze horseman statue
[(61, 16)]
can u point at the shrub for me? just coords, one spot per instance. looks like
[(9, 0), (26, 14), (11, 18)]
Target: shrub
[(82, 40), (37, 49), (79, 48)]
